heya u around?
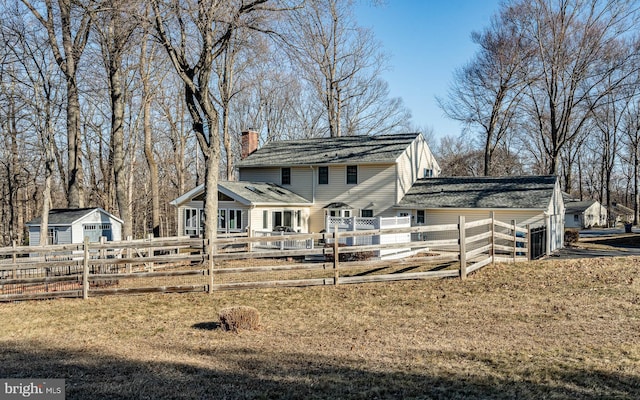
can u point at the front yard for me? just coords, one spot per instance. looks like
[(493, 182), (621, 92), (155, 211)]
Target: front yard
[(547, 329)]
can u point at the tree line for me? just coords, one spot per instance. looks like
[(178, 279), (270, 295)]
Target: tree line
[(126, 104), (553, 89)]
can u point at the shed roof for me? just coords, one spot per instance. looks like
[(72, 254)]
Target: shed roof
[(573, 207), (337, 150), (249, 193), (521, 192), (68, 216)]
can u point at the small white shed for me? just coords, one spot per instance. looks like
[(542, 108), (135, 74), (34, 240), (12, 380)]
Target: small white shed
[(71, 225)]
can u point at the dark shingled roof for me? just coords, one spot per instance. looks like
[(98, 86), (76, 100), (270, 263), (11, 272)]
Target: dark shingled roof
[(525, 192), (572, 207), (338, 150), (63, 216), (263, 193), (257, 193)]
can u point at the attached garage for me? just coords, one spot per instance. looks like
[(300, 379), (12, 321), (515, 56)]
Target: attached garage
[(527, 200)]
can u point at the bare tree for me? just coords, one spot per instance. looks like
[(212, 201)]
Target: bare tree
[(195, 34), (115, 31), (576, 42), (341, 62), (69, 21), (485, 93)]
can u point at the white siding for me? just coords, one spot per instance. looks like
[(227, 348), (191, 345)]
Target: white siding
[(450, 216), (260, 175), (412, 163), (375, 190)]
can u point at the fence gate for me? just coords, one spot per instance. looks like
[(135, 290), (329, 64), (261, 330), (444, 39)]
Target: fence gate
[(538, 241)]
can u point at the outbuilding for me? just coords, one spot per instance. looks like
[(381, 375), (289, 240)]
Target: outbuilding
[(528, 200), (71, 225)]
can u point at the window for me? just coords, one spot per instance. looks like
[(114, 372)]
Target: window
[(52, 236), (352, 174), (190, 221), (222, 219), (366, 213), (283, 218), (576, 218), (285, 176), (265, 219), (235, 219), (323, 175), (420, 217), (427, 173), (339, 212)]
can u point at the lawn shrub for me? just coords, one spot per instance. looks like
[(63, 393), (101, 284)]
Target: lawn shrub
[(239, 318), (571, 236)]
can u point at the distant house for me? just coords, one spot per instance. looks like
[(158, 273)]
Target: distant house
[(264, 206), (620, 213), (529, 200), (584, 214), (72, 225)]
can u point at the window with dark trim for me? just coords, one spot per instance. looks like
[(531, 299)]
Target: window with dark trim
[(352, 174), (286, 176), (366, 213), (323, 175), (420, 216)]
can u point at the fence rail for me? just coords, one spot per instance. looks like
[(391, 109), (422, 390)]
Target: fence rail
[(182, 264)]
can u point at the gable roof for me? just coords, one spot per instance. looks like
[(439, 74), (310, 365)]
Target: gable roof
[(522, 192), (68, 216), (249, 193), (574, 207), (337, 150), (620, 209)]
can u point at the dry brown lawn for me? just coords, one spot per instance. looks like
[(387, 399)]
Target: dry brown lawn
[(542, 330)]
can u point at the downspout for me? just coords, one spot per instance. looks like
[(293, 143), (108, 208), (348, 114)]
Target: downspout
[(313, 185)]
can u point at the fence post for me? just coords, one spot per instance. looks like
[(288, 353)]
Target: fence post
[(85, 269), (547, 222), (103, 252), (528, 242), (353, 239), (151, 251), (336, 256), (14, 258), (493, 237), (515, 240), (281, 240), (129, 254), (250, 234), (211, 264), (462, 238)]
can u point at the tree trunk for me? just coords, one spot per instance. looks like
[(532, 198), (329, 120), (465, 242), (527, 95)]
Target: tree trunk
[(117, 137)]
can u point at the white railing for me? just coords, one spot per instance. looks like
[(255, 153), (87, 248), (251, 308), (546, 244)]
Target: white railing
[(351, 224), (284, 244)]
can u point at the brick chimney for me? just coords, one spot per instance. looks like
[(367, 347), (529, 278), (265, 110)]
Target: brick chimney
[(249, 143)]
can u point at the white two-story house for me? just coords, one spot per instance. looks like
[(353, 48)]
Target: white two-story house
[(353, 176)]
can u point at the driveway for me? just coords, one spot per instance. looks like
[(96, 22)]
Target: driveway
[(571, 252), (610, 242)]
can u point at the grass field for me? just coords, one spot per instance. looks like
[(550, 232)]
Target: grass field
[(542, 330)]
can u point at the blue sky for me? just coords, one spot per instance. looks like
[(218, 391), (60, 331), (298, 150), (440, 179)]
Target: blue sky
[(426, 40)]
